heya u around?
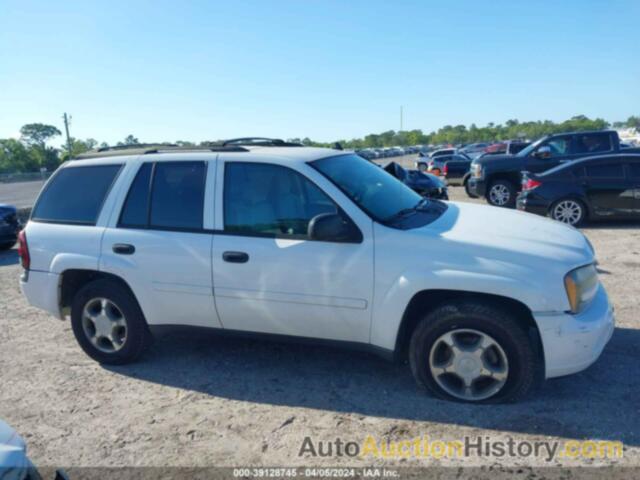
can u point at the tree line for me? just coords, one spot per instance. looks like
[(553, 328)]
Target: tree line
[(32, 151)]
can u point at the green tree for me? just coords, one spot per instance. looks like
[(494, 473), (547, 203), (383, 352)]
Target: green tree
[(129, 140), (36, 135)]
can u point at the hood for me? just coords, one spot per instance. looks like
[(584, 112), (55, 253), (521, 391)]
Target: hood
[(13, 451), (521, 236)]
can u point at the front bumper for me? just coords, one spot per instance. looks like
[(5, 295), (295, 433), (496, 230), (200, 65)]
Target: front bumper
[(477, 186), (573, 342), (41, 290)]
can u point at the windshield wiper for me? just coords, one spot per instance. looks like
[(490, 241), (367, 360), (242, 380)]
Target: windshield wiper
[(405, 212)]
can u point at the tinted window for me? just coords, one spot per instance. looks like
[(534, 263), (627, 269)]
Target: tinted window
[(76, 194), (606, 170), (136, 207), (592, 143), (177, 196), (272, 200)]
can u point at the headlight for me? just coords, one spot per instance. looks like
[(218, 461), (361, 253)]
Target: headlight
[(581, 285), (476, 170)]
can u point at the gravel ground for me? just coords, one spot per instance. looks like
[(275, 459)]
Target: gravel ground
[(202, 400)]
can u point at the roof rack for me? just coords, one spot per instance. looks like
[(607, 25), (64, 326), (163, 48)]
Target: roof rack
[(260, 142), (145, 149)]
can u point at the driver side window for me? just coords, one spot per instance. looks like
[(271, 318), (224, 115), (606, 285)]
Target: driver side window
[(558, 146), (271, 200)]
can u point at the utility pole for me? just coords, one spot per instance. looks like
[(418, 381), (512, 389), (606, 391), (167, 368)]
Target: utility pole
[(401, 118), (66, 128)]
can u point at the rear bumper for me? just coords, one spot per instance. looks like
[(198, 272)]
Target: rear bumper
[(41, 290), (477, 186), (573, 342), (532, 205)]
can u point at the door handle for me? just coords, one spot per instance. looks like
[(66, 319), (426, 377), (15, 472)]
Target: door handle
[(123, 249), (235, 257)]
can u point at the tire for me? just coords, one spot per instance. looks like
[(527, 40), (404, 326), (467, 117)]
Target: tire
[(6, 246), (569, 210), (516, 376), (468, 190), (502, 193), (129, 342)]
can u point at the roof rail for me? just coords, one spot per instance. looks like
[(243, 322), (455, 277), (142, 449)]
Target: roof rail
[(150, 148), (260, 142)]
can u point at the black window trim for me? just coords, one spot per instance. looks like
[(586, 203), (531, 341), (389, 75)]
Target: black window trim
[(358, 240), (152, 175), (73, 222)]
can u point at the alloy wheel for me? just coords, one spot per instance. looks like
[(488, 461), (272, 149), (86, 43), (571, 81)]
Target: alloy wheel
[(468, 364), (104, 325), (568, 211), (499, 194)]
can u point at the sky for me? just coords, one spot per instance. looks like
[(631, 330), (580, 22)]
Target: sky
[(324, 69)]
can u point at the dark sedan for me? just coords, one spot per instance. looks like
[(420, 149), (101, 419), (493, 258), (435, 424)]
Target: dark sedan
[(423, 183), (601, 187), (9, 226)]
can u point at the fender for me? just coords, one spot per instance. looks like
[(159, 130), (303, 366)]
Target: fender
[(390, 305), (73, 261)]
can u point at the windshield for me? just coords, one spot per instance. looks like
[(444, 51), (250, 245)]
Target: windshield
[(526, 151), (375, 191)]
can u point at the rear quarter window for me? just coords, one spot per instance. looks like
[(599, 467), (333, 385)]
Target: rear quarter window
[(75, 194)]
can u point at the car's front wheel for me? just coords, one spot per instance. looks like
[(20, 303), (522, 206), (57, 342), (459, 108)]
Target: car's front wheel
[(473, 352), (108, 323), (502, 193), (467, 189), (569, 211)]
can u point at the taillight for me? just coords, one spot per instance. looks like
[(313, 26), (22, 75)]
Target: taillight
[(445, 169), (23, 250), (530, 184)]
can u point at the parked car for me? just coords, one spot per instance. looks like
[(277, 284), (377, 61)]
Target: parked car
[(422, 183), (498, 178), (312, 243), (456, 170), (474, 149), (426, 162), (510, 147), (601, 187), (9, 226), (435, 165)]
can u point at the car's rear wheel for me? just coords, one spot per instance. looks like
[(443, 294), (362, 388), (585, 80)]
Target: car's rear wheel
[(108, 323), (473, 352), (502, 193), (569, 211)]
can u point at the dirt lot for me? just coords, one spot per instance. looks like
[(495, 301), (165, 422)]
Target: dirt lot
[(201, 400)]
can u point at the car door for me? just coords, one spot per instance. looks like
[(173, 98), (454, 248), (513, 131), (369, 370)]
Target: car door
[(268, 275), (158, 242), (558, 150), (609, 191)]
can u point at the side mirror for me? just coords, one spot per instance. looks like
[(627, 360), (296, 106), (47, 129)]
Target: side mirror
[(543, 152), (333, 227)]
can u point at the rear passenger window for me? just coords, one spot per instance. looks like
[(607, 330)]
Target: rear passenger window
[(592, 143), (609, 170), (75, 195), (177, 197), (136, 208)]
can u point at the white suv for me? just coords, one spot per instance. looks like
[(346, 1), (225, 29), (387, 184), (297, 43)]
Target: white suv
[(315, 244)]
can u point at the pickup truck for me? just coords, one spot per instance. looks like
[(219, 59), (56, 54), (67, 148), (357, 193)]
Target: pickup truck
[(498, 177)]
